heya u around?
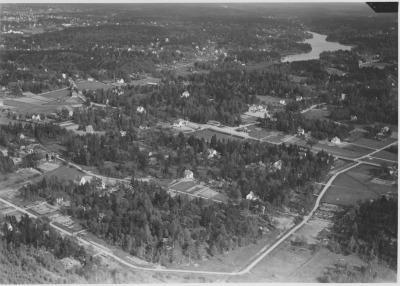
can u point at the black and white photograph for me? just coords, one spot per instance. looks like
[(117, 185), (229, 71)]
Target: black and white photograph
[(198, 142)]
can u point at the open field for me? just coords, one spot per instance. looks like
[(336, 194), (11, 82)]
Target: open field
[(387, 155), (356, 185), (268, 99), (65, 172), (291, 263), (207, 134), (371, 143), (316, 114), (91, 85), (194, 188)]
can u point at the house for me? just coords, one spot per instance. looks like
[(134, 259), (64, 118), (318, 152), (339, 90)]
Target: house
[(90, 79), (180, 123), (185, 94), (335, 140), (212, 153), (188, 174), (22, 136), (36, 117), (89, 129), (140, 109), (299, 98), (85, 179), (121, 81), (343, 96), (282, 102), (251, 196), (123, 133), (353, 117), (300, 131), (277, 165)]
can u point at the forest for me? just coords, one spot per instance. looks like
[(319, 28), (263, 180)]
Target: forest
[(148, 223), (369, 230)]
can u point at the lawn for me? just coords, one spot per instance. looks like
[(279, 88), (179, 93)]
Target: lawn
[(316, 114), (357, 184), (65, 173), (91, 85)]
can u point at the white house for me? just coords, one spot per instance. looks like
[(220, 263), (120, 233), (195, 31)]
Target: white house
[(90, 79), (353, 118), (123, 133), (343, 96), (85, 179), (300, 131), (22, 136), (335, 140), (282, 102), (1, 103), (299, 98), (185, 94), (121, 81), (188, 174), (36, 117), (89, 129), (140, 109), (277, 165), (251, 196), (180, 123), (212, 153)]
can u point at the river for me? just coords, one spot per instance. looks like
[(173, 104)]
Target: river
[(318, 45)]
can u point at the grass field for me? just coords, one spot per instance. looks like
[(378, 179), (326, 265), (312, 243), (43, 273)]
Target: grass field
[(356, 185), (65, 172), (268, 99), (91, 85), (207, 134), (371, 143), (384, 154), (316, 114)]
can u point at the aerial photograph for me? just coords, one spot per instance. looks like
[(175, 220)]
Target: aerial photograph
[(188, 142)]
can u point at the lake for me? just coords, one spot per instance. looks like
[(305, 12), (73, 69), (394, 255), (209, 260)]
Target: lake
[(318, 45)]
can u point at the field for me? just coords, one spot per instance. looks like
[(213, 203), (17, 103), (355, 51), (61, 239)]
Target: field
[(195, 188), (357, 184), (91, 85), (291, 263), (65, 172), (316, 114), (207, 134), (371, 143), (267, 99), (47, 102)]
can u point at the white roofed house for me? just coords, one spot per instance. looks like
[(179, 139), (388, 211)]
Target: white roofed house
[(140, 109), (89, 129), (180, 123), (282, 102), (185, 94), (335, 140), (188, 174), (212, 153), (85, 180), (277, 165), (251, 196), (300, 131), (123, 133)]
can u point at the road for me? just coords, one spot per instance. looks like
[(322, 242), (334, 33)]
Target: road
[(257, 258)]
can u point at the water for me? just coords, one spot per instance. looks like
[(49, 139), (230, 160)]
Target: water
[(318, 45)]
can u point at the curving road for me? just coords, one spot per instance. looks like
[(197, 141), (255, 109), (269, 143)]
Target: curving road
[(257, 258)]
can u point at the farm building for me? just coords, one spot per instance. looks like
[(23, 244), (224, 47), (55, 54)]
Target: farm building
[(140, 109), (335, 140), (300, 131), (180, 123), (85, 179), (185, 94), (282, 102), (251, 196), (212, 153), (277, 165), (89, 129), (188, 174)]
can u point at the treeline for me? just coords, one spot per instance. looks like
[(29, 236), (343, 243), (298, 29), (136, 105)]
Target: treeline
[(320, 129), (6, 164), (38, 233), (368, 229), (150, 224)]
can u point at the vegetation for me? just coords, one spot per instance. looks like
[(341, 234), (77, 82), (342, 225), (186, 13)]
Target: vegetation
[(370, 230)]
